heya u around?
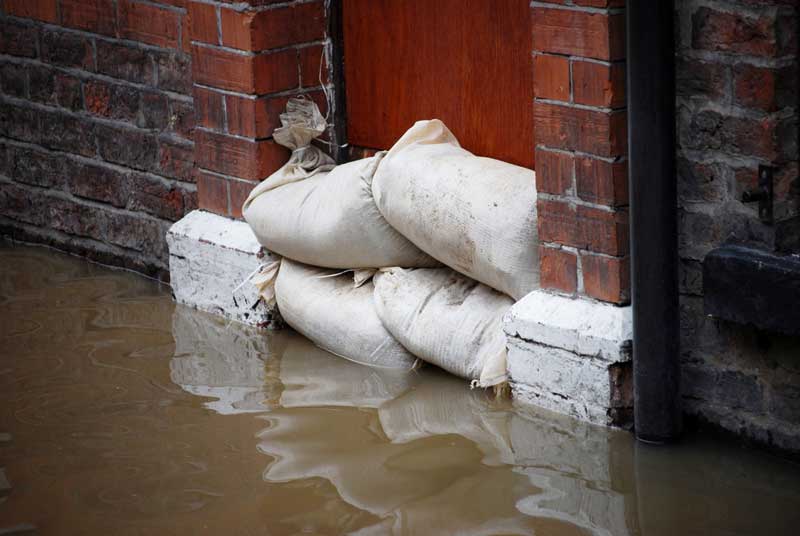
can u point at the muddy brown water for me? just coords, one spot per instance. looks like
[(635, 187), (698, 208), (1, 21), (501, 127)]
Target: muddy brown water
[(122, 413)]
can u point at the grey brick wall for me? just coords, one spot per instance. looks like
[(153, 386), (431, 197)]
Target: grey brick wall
[(737, 107)]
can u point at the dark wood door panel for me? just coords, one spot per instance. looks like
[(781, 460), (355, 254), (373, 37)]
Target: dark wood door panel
[(466, 62)]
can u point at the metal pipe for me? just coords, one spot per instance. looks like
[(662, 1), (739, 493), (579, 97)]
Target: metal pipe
[(653, 219)]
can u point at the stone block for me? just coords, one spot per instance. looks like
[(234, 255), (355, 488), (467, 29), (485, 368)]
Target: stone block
[(209, 257), (563, 355)]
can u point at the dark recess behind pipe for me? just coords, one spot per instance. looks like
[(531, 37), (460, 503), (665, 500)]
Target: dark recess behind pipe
[(653, 219)]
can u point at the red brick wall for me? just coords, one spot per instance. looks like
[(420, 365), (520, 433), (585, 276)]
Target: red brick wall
[(581, 135), (96, 152), (248, 59)]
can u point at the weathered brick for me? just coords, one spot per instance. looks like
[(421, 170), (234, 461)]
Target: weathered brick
[(156, 196), (98, 16), (149, 24), (19, 123), (764, 88), (565, 127), (602, 231), (555, 172), (203, 23), (551, 78), (595, 84), (67, 133), (14, 79), (239, 157), (273, 28), (16, 202), (734, 31), (697, 78), (225, 70), (741, 136), (36, 168), (176, 160), (208, 110), (558, 222), (559, 269), (129, 147), (606, 278), (265, 73), (244, 115), (239, 190), (126, 62), (113, 101), (174, 72), (132, 231), (44, 10), (700, 182), (727, 388), (154, 112), (17, 39), (579, 33), (601, 182), (212, 193), (67, 49), (49, 86), (97, 182)]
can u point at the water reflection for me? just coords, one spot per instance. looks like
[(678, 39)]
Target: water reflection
[(124, 414)]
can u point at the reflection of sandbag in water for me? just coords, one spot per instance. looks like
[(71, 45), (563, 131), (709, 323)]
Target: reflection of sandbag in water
[(442, 405), (434, 482), (476, 215), (330, 220), (224, 360), (337, 317), (446, 319), (313, 377)]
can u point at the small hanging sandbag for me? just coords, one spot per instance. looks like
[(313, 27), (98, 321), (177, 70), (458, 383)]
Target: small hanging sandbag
[(338, 317), (446, 319), (476, 215)]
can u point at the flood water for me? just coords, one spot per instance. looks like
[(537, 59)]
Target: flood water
[(122, 413)]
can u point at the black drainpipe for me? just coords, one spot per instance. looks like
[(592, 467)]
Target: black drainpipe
[(653, 219)]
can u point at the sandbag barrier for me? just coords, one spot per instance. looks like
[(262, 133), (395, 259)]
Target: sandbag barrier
[(449, 237)]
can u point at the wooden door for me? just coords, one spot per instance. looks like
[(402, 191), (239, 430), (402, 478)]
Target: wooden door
[(466, 62)]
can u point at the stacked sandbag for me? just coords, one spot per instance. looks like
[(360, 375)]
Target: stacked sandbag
[(338, 317), (329, 219), (446, 319), (476, 215)]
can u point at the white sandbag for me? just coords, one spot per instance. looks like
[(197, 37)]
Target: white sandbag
[(337, 317), (329, 219), (476, 215), (446, 319)]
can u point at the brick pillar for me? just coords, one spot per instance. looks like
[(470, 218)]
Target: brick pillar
[(247, 60), (581, 137)]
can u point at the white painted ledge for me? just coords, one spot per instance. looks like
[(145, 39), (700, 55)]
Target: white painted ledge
[(209, 256), (560, 350), (577, 325)]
